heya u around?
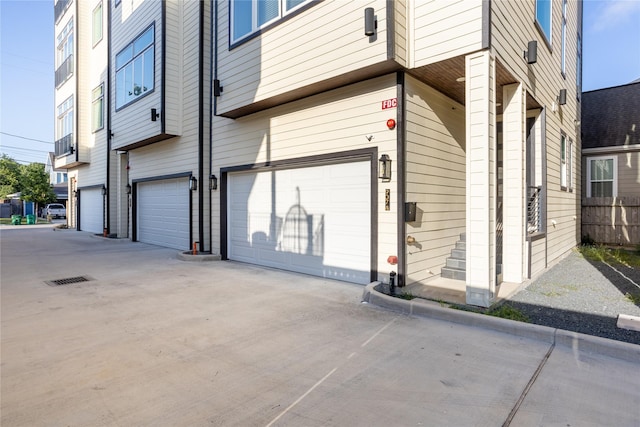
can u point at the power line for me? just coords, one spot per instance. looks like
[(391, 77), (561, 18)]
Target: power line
[(24, 137), (23, 149)]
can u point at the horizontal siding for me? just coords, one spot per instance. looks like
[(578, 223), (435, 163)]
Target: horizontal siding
[(174, 61), (331, 122), (401, 32), (444, 29), (324, 41), (435, 178), (629, 174), (133, 123)]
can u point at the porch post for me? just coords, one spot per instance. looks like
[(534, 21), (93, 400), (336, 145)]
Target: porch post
[(481, 178), (514, 211)]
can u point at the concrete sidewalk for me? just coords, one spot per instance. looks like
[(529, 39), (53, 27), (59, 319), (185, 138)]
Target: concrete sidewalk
[(151, 340)]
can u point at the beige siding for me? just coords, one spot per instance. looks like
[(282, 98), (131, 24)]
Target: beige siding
[(435, 173), (401, 32), (512, 26), (132, 122), (331, 122), (324, 41), (444, 29), (175, 43)]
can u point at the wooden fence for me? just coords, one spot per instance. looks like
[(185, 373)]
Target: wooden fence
[(612, 220)]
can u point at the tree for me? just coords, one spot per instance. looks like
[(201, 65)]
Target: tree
[(35, 184), (10, 176)]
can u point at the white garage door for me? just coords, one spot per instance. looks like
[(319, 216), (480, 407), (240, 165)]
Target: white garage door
[(91, 210), (313, 220), (163, 213)]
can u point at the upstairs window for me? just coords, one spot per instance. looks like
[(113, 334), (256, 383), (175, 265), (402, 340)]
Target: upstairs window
[(601, 176), (65, 118), (563, 161), (543, 17), (97, 108), (563, 53), (64, 43), (135, 69), (249, 16), (97, 24)]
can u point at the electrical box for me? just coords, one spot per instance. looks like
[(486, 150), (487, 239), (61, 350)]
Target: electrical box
[(410, 211)]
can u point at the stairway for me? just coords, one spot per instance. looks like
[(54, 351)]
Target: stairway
[(456, 266)]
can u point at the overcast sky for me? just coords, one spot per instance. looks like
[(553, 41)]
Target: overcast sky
[(611, 57)]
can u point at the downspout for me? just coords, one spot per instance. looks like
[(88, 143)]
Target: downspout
[(213, 50), (107, 95), (400, 136), (163, 66), (201, 128)]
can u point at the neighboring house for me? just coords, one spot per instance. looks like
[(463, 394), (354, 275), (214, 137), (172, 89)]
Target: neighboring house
[(611, 164), (132, 120), (335, 135), (57, 179)]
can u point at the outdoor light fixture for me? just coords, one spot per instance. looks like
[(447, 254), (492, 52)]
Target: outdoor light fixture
[(384, 167), (531, 54), (213, 182), (370, 23), (193, 183), (104, 190), (217, 88), (154, 115), (128, 188), (562, 97)]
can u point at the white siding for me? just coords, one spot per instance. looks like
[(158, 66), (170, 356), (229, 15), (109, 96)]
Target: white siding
[(331, 122), (444, 29), (436, 178), (324, 41), (481, 152)]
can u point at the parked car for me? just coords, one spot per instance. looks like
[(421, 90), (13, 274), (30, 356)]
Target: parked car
[(55, 210)]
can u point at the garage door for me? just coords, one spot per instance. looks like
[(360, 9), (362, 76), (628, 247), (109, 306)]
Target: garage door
[(163, 213), (91, 210), (314, 220)]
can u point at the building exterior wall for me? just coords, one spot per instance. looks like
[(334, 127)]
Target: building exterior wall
[(331, 122), (436, 176)]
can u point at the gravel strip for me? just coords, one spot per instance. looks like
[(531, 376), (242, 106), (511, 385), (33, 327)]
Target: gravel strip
[(582, 295)]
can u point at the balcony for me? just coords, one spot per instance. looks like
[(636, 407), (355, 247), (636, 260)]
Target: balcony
[(64, 145), (64, 71), (59, 9)]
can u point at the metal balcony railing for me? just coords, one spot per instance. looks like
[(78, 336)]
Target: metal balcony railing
[(534, 210), (59, 9), (64, 145), (64, 71)]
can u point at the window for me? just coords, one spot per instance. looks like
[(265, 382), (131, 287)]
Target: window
[(135, 69), (579, 67), (601, 176), (97, 24), (563, 48), (65, 118), (543, 17), (249, 16), (563, 161), (97, 108), (570, 166), (64, 43)]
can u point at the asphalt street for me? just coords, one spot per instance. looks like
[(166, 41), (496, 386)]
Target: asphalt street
[(147, 339)]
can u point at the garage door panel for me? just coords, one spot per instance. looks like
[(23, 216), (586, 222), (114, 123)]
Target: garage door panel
[(163, 213), (91, 210), (320, 222)]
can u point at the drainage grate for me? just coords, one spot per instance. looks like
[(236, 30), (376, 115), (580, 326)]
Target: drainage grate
[(68, 281)]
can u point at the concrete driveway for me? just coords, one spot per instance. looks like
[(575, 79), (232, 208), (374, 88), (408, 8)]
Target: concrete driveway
[(151, 340)]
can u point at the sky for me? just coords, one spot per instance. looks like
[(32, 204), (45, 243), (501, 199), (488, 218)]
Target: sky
[(611, 57)]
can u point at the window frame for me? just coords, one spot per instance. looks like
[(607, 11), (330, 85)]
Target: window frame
[(614, 180), (256, 28), (563, 161), (97, 39), (543, 25), (570, 165), (563, 43), (579, 66), (65, 43), (131, 61), (97, 101), (65, 118)]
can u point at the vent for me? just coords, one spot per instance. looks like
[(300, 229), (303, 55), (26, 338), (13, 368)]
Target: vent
[(68, 281)]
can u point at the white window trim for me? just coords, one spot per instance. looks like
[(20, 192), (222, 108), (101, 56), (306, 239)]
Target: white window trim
[(255, 28), (615, 173), (563, 47), (570, 165), (563, 161), (93, 23), (97, 99)]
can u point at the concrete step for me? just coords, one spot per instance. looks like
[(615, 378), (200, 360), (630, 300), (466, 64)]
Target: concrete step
[(459, 264), (458, 254), (453, 273)]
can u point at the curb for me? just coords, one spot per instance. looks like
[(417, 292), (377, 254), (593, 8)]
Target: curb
[(188, 256), (573, 340)]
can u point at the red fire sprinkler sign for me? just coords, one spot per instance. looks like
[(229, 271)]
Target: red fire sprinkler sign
[(389, 103)]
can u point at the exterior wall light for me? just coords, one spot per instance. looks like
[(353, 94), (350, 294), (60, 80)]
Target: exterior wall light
[(128, 188), (104, 190), (384, 167), (370, 22), (562, 97), (213, 182), (531, 54), (193, 183)]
